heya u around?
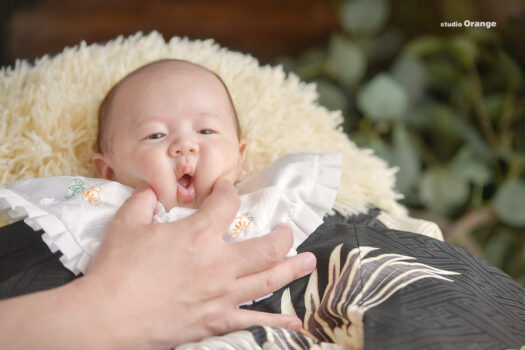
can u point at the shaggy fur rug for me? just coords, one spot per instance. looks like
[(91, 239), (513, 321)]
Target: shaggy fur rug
[(48, 114)]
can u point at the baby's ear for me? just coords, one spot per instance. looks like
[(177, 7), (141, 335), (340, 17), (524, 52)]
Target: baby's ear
[(101, 164), (242, 148)]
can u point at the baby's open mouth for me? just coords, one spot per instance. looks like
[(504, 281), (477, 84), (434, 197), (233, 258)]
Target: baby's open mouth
[(185, 189), (185, 180)]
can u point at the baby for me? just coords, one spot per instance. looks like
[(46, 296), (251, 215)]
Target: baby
[(172, 124)]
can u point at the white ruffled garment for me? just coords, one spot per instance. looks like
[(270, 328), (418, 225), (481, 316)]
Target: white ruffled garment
[(74, 212)]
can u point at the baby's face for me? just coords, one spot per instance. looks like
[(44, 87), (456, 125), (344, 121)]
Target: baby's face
[(175, 129)]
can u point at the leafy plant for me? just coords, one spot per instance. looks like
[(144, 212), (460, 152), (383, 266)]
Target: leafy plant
[(447, 109)]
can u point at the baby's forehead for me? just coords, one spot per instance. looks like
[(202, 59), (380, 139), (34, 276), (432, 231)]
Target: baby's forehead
[(164, 73), (132, 86), (175, 69)]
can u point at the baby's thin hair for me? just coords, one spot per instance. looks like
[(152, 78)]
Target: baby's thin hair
[(104, 142)]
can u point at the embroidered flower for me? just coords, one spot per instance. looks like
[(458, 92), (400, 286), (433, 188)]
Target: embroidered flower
[(239, 225), (92, 194)]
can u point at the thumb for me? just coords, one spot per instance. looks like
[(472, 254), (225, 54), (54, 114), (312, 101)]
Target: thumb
[(136, 211), (139, 208)]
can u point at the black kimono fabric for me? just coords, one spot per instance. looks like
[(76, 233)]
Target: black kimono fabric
[(374, 288)]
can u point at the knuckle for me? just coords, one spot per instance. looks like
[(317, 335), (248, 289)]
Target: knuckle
[(273, 252), (269, 284), (217, 322), (202, 225)]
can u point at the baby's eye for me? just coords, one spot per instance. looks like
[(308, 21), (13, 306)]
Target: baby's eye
[(206, 131), (155, 136)]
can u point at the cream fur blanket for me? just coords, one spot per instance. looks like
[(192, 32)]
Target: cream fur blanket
[(48, 114)]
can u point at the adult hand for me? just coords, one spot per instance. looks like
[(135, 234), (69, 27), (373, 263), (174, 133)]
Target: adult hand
[(158, 285), (165, 284)]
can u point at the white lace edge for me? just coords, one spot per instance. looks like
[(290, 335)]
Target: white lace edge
[(309, 215), (56, 235)]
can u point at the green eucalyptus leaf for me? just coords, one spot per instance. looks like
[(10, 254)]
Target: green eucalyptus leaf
[(407, 158), (463, 94), (509, 202), (364, 16), (442, 74), (443, 120), (511, 69), (367, 44), (313, 55), (311, 63), (443, 191), (382, 98), (346, 61), (471, 167), (331, 96), (494, 105), (482, 35), (410, 72), (365, 139), (387, 45), (416, 117), (425, 45), (382, 150), (476, 142), (451, 128), (464, 49), (497, 247), (516, 158)]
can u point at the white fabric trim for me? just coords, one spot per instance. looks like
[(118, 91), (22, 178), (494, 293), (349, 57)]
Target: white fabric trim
[(74, 212)]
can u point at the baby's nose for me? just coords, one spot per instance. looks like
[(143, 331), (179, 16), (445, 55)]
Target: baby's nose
[(183, 148)]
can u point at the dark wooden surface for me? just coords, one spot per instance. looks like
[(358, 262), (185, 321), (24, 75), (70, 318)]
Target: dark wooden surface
[(265, 29)]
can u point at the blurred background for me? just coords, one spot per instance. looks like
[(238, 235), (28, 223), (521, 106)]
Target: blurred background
[(435, 87)]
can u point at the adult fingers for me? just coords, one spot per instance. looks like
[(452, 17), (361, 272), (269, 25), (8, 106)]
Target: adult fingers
[(139, 208), (257, 285), (135, 212), (241, 319), (217, 210), (260, 253)]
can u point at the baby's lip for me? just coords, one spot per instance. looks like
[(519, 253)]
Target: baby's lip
[(185, 183), (185, 190), (185, 169)]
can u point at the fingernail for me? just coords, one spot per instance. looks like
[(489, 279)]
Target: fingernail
[(309, 263), (295, 325)]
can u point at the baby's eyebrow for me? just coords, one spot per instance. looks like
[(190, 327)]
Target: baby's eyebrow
[(208, 114), (150, 119), (149, 123)]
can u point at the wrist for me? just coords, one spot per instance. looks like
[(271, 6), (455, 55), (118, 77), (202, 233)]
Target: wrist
[(66, 317), (84, 318), (102, 317)]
